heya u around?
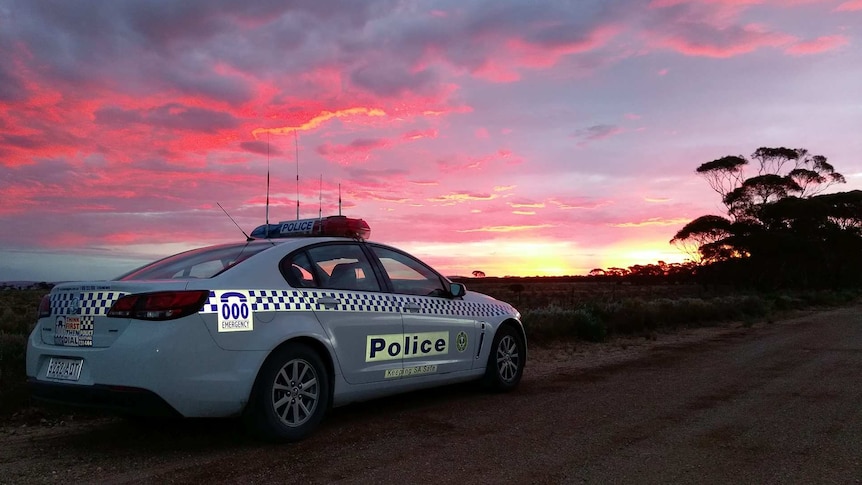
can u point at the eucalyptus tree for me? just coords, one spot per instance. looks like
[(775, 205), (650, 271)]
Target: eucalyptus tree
[(780, 228)]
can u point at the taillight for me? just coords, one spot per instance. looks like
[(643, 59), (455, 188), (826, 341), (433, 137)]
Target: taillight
[(45, 306), (161, 305)]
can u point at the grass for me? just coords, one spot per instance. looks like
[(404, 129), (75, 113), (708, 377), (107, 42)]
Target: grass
[(18, 310), (595, 320)]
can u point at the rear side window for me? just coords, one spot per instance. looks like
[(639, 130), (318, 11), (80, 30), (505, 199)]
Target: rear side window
[(409, 275), (333, 266), (197, 263)]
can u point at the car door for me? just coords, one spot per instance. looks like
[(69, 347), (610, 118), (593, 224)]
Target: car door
[(361, 321), (438, 337)]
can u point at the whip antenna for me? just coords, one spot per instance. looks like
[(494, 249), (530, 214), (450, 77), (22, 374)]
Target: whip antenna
[(320, 199), (247, 238), (296, 144), (266, 231), (339, 199)]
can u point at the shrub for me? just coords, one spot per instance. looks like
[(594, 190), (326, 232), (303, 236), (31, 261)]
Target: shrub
[(588, 326), (553, 322), (13, 392)]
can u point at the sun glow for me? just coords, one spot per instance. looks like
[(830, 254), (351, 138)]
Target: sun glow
[(647, 252), (501, 258), (537, 257)]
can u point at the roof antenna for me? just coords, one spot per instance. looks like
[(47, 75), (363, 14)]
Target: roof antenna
[(266, 231), (320, 198), (339, 199), (296, 144), (247, 237)]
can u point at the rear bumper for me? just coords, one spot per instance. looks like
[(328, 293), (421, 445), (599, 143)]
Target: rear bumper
[(174, 365), (116, 399)]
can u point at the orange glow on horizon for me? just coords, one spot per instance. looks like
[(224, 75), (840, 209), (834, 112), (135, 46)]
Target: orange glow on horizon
[(523, 258)]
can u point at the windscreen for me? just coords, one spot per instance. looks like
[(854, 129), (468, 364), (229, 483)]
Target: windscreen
[(197, 263)]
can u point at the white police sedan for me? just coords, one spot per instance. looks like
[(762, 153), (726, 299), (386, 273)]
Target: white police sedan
[(276, 329)]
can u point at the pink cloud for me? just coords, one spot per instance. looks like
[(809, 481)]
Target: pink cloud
[(525, 204), (463, 163), (459, 197), (508, 228), (849, 6), (356, 151), (818, 45), (724, 42), (579, 203), (654, 221), (671, 3), (519, 53), (420, 134), (595, 133)]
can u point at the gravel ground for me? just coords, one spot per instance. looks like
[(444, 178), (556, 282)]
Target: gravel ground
[(771, 403)]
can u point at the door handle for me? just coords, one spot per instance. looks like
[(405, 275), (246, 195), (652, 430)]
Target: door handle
[(328, 301), (411, 308)]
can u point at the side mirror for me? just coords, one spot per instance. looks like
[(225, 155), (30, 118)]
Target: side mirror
[(457, 289)]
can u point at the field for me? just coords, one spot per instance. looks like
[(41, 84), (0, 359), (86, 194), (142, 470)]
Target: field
[(17, 316), (552, 309), (594, 308)]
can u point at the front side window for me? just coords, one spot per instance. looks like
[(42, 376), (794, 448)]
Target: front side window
[(409, 275), (333, 266)]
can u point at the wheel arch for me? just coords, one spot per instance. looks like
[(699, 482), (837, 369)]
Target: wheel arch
[(310, 342), (517, 325)]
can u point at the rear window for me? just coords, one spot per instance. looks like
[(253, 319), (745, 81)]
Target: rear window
[(197, 263)]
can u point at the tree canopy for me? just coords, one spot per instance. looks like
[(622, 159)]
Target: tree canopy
[(781, 229)]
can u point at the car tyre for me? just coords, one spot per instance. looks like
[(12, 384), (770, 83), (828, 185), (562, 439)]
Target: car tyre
[(291, 395), (506, 360)]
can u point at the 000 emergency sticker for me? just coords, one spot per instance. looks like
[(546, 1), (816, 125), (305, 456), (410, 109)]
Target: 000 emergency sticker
[(234, 311)]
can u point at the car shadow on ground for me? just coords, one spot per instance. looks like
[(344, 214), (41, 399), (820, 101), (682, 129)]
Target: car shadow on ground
[(111, 435)]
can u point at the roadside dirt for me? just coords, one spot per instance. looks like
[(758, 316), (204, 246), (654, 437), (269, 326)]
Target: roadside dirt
[(774, 402)]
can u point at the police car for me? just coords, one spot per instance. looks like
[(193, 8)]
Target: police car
[(303, 316)]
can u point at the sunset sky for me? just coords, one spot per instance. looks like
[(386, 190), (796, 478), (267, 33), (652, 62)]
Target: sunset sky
[(512, 137)]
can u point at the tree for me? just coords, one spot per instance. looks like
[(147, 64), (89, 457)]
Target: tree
[(780, 229), (703, 231), (478, 274), (724, 173)]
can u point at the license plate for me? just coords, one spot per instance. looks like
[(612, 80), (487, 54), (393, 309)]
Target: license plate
[(65, 369)]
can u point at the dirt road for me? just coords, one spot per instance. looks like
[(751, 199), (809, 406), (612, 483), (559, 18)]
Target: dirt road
[(777, 403)]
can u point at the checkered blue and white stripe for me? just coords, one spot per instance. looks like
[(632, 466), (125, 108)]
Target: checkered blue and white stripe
[(93, 303), (305, 300)]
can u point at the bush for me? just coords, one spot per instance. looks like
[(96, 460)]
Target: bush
[(18, 310), (596, 320), (554, 322), (588, 326), (13, 392)]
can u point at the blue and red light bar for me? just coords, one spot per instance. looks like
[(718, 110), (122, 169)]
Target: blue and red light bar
[(332, 226)]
